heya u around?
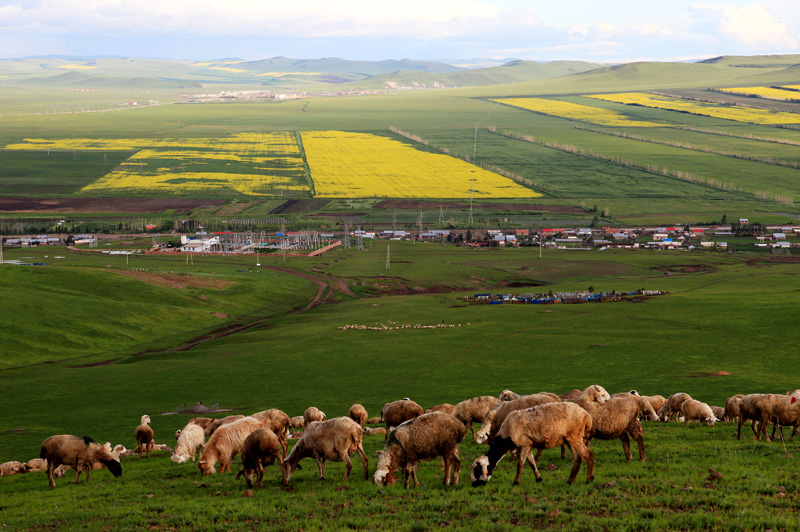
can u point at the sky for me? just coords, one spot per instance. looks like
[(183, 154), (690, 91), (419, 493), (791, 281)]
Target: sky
[(613, 31)]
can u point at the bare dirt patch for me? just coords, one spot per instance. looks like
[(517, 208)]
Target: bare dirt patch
[(171, 280), (706, 374), (300, 206), (86, 205)]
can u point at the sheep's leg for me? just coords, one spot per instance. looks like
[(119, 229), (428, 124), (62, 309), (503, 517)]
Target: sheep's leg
[(577, 452), (51, 465), (532, 462), (407, 470), (522, 457), (364, 460), (321, 468), (626, 445), (414, 475), (260, 475), (348, 464), (739, 432), (456, 466), (88, 469), (539, 453), (563, 451), (448, 469), (284, 472)]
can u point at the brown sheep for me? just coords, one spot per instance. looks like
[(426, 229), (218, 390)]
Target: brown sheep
[(447, 408), (718, 412), (656, 401), (571, 395), (313, 413), (397, 412), (225, 444), (217, 423), (374, 420), (259, 450), (80, 453), (541, 427), (144, 436), (768, 408), (618, 418), (732, 407), (495, 417), (422, 438), (694, 410), (202, 422), (508, 395), (474, 410), (358, 414), (673, 406), (335, 439), (278, 422)]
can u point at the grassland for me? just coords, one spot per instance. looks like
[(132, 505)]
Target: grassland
[(720, 315)]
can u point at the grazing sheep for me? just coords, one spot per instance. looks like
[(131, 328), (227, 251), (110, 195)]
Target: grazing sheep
[(694, 410), (732, 407), (358, 414), (618, 418), (673, 406), (278, 422), (217, 423), (13, 467), (656, 401), (225, 444), (422, 438), (541, 427), (768, 408), (313, 413), (447, 408), (144, 436), (397, 412), (190, 439), (80, 453), (202, 422), (335, 439), (259, 450), (496, 416), (298, 422), (471, 410), (508, 395), (719, 412)]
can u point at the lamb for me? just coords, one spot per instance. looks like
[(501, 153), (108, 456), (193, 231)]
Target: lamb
[(475, 409), (313, 413), (144, 435), (225, 444), (447, 408), (335, 439), (217, 423), (541, 427), (260, 449), (694, 410), (496, 416), (191, 438), (397, 412), (672, 406), (278, 422), (13, 467), (358, 414), (618, 418), (732, 407), (422, 438), (80, 453)]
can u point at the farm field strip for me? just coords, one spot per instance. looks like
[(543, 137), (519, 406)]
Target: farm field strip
[(771, 93), (359, 165), (727, 112), (574, 111)]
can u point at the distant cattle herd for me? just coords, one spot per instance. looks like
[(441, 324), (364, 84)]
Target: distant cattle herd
[(511, 423)]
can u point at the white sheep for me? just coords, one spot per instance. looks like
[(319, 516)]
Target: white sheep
[(694, 410), (192, 437)]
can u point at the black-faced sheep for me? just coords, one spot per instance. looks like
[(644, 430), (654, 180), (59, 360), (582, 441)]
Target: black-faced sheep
[(673, 406), (358, 414), (397, 412), (225, 444), (474, 410), (335, 439), (694, 410), (313, 413), (190, 439), (79, 453), (447, 408), (422, 438), (496, 416), (278, 422), (541, 427), (144, 435), (217, 423), (618, 418), (260, 449)]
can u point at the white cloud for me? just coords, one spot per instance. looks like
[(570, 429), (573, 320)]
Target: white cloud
[(752, 26)]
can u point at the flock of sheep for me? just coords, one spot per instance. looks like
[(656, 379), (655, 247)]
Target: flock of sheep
[(510, 424)]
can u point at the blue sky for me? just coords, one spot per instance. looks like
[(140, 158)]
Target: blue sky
[(610, 31)]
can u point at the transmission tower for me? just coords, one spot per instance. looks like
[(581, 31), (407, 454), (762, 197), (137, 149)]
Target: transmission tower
[(359, 239), (388, 257), (346, 241), (441, 215)]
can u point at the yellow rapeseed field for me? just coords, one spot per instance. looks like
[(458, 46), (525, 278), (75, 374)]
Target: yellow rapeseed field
[(359, 165), (727, 112), (574, 111), (765, 92)]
